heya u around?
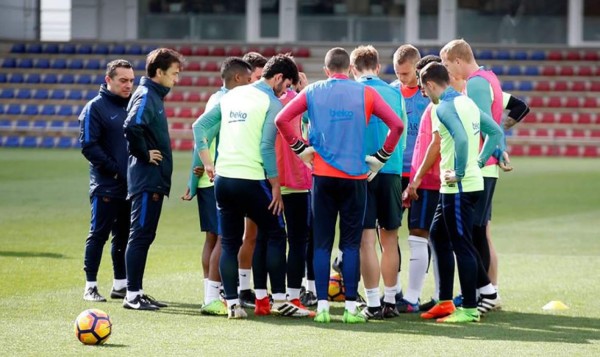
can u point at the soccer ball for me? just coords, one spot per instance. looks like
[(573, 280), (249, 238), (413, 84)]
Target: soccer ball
[(336, 291), (93, 327)]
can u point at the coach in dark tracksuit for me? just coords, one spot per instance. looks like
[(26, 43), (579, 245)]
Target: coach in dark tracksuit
[(150, 167), (105, 147)]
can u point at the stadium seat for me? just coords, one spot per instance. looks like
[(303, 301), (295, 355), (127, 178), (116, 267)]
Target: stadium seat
[(40, 124), (51, 48), (186, 113), (502, 55), (68, 49), (3, 77), (498, 69), (579, 133), (34, 48), (537, 56), (554, 102), (65, 110), (591, 151), (65, 142), (184, 50), (73, 124), (12, 141), (31, 109), (585, 118), (201, 82), (33, 78), (169, 112), (175, 97), (186, 145), (84, 79), (302, 52), (193, 66), (48, 109), (519, 55), (17, 48), (591, 56), (193, 97), (75, 63), (92, 63), (201, 51), (555, 56), (542, 86), (579, 86), (217, 51), (185, 81), (548, 71), (235, 51), (90, 94), (67, 78), (177, 126), (508, 86), (139, 65), (211, 66), (23, 93), (573, 55), (268, 51), (566, 118), (560, 86), (50, 78), (590, 102), (560, 133), (41, 94), (514, 70), (148, 48), (484, 55), (204, 96), (42, 63), (13, 109), (595, 86), (9, 63), (25, 63), (84, 49), (285, 50), (6, 123), (585, 71), (536, 102), (572, 102), (59, 63), (48, 142), (117, 49), (566, 71), (58, 94), (57, 124), (16, 78), (7, 93), (134, 49), (526, 85), (75, 94), (101, 49), (22, 124)]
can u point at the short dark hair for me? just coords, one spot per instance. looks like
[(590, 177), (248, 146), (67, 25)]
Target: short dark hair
[(162, 58), (111, 67), (283, 64), (427, 60), (337, 60), (435, 72), (232, 66), (364, 58), (255, 59)]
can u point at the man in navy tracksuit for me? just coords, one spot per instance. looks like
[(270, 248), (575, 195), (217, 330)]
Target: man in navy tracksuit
[(150, 167), (105, 147)]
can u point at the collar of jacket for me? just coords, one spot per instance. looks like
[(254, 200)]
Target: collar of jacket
[(161, 90), (118, 100)]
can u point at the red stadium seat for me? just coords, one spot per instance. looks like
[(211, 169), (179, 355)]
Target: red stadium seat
[(177, 126), (193, 97), (590, 102), (566, 71), (268, 51), (536, 102), (555, 56), (201, 82), (560, 133), (185, 81), (584, 118), (566, 118), (516, 150), (572, 102), (186, 145), (175, 97), (217, 51), (302, 52), (548, 70), (542, 132), (595, 86), (252, 49), (235, 51), (193, 66), (542, 86), (571, 150), (555, 102), (185, 50), (591, 56), (579, 133), (521, 132), (300, 67), (535, 150), (578, 86), (185, 113), (591, 151), (585, 71), (170, 112), (573, 56), (211, 66), (286, 50), (560, 86), (595, 133), (201, 51)]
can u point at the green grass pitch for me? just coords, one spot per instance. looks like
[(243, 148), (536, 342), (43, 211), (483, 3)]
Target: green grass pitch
[(545, 227)]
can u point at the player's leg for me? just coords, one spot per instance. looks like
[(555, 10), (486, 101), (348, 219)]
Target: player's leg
[(296, 210), (260, 274), (102, 217), (309, 297), (245, 258), (493, 270), (369, 261), (118, 247), (352, 195)]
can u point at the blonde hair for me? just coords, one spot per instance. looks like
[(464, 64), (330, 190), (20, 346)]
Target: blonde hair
[(406, 53), (458, 49), (364, 58)]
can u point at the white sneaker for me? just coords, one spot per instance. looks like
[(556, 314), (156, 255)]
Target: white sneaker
[(286, 308), (92, 294), (236, 312), (486, 305)]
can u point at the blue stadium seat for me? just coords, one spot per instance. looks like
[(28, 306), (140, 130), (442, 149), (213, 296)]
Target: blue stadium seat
[(65, 110), (58, 94), (25, 63), (48, 109), (17, 48), (12, 141), (31, 109), (92, 64), (134, 49), (13, 109), (73, 124), (3, 77), (101, 49), (33, 78), (485, 55), (6, 123), (50, 48), (59, 63), (1, 108), (75, 63), (508, 86), (29, 142), (41, 94), (514, 70), (34, 48), (42, 63), (502, 55), (531, 71), (16, 78), (117, 49), (75, 94), (65, 142), (526, 86), (22, 124), (389, 69), (84, 49), (7, 93), (90, 94), (538, 56), (98, 79), (68, 48), (498, 69), (519, 55), (139, 65), (47, 142), (84, 79), (9, 63), (40, 124), (24, 93), (57, 124), (67, 78), (50, 78)]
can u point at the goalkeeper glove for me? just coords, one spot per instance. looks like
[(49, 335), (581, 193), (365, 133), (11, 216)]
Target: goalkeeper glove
[(376, 162), (304, 152)]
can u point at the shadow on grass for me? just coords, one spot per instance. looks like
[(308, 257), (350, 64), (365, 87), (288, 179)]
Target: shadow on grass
[(111, 345), (177, 308), (497, 326), (32, 255)]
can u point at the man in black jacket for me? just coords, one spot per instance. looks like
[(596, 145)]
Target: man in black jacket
[(150, 167), (105, 147)]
